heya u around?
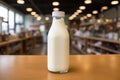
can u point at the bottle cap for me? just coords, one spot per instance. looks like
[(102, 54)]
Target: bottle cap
[(58, 14)]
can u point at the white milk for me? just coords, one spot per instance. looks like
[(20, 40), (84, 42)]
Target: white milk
[(58, 44)]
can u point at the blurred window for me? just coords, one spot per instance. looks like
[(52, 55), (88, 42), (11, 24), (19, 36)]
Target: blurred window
[(19, 22), (11, 19), (4, 13), (4, 26), (19, 18)]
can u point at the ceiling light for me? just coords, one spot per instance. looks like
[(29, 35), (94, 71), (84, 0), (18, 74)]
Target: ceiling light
[(82, 7), (85, 17), (115, 2), (95, 12), (39, 18), (20, 1), (36, 15), (46, 18), (55, 3), (88, 1), (81, 18), (99, 21), (89, 15), (55, 9), (79, 11), (76, 13), (104, 8), (107, 20), (33, 13), (71, 18), (29, 9)]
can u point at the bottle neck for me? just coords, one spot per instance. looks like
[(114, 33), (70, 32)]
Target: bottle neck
[(57, 19)]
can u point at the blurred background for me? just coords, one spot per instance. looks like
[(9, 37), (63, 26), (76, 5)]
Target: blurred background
[(93, 25)]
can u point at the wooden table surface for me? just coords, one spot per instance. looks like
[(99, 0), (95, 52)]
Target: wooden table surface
[(82, 67)]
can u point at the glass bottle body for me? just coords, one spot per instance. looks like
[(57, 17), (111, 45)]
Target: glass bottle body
[(58, 46)]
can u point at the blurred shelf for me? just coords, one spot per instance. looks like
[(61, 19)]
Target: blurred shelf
[(20, 44), (89, 42), (104, 40), (104, 48)]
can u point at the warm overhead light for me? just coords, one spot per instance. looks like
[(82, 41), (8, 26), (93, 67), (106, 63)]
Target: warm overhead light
[(104, 8), (115, 2), (33, 13), (95, 12), (99, 21), (88, 1), (81, 18), (71, 18), (39, 18), (76, 13), (85, 17), (107, 20), (82, 7), (79, 11), (55, 9), (89, 15), (46, 18), (29, 9), (20, 1), (55, 3), (36, 15)]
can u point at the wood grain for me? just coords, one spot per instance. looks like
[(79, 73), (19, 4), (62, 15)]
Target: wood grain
[(82, 67)]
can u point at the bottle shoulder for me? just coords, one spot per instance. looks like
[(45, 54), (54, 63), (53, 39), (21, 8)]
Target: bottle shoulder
[(57, 32)]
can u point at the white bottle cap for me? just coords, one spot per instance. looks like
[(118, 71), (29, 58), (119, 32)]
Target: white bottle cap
[(58, 14)]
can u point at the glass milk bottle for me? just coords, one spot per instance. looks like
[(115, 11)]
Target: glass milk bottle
[(58, 44)]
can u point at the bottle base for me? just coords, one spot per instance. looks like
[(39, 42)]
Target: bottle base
[(58, 72)]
